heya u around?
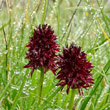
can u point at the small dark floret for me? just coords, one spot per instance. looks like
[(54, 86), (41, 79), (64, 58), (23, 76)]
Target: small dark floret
[(42, 49), (75, 70)]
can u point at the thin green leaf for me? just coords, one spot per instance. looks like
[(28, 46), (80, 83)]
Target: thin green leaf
[(49, 98), (19, 92), (44, 12), (99, 79), (7, 86)]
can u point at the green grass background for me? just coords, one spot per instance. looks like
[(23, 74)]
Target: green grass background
[(89, 28)]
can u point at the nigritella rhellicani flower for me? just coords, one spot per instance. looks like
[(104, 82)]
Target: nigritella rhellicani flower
[(74, 69), (42, 49)]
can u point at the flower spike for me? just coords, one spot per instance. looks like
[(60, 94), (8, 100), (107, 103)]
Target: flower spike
[(42, 49), (75, 70)]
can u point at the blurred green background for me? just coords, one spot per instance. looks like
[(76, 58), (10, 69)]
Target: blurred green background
[(89, 28)]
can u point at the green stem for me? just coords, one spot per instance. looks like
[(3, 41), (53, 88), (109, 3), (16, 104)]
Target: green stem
[(72, 99), (41, 85)]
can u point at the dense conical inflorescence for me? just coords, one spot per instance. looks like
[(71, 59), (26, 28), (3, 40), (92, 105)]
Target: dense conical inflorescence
[(42, 49), (75, 70)]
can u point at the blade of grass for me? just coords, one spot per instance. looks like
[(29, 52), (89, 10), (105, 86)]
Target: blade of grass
[(71, 19), (44, 12), (102, 42), (7, 86), (104, 106), (49, 98), (19, 92), (98, 95), (107, 18), (65, 101), (35, 9), (99, 79), (103, 30), (3, 26), (6, 57), (100, 105), (104, 17)]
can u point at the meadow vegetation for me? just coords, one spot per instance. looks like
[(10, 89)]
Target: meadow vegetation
[(83, 22)]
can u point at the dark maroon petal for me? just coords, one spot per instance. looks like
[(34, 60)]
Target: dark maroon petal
[(67, 91), (42, 49), (32, 71), (74, 69)]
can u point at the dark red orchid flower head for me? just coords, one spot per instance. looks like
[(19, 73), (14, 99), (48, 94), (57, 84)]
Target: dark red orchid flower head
[(42, 49), (75, 70)]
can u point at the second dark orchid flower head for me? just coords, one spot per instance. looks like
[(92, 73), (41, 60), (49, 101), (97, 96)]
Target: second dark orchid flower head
[(42, 49), (75, 70)]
